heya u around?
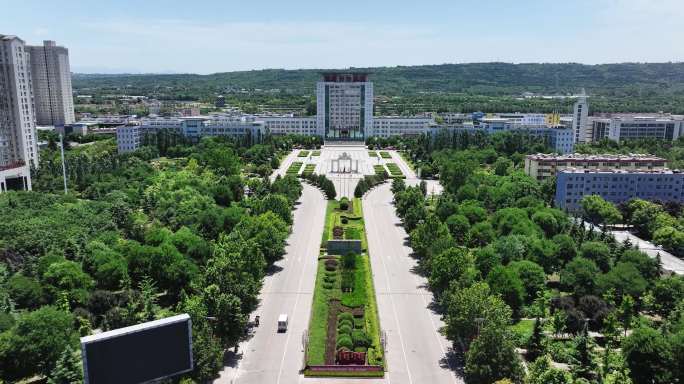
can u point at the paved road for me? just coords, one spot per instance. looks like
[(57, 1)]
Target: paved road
[(416, 351), (671, 263), (268, 356)]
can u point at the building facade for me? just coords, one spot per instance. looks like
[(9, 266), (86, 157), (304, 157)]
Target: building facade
[(131, 136), (580, 119), (621, 128), (54, 102), (344, 106), (617, 186), (543, 166), (18, 137)]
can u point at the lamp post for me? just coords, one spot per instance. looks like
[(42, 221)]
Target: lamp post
[(61, 148)]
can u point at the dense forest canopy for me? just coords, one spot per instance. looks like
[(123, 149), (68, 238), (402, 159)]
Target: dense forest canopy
[(476, 78)]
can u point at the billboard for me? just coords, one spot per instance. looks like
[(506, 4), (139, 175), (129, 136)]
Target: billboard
[(139, 353)]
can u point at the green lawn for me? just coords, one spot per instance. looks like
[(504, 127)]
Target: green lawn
[(318, 325), (294, 168), (309, 169), (303, 153), (394, 170), (373, 153), (316, 153), (379, 169), (385, 155)]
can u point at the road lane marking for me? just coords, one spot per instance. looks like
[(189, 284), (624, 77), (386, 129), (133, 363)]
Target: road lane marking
[(394, 310)]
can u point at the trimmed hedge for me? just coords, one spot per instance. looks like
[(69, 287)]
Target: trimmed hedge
[(345, 341)]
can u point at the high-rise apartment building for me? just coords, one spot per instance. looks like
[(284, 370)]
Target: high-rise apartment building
[(344, 106), (52, 84), (18, 149), (580, 117)]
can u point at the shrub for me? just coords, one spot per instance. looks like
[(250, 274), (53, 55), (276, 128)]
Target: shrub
[(329, 279), (330, 265), (347, 281), (344, 322), (344, 329), (344, 204), (344, 341), (338, 232), (359, 323), (360, 338), (352, 234), (327, 285), (344, 220), (345, 316), (349, 261), (360, 349)]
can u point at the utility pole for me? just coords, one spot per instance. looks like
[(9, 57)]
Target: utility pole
[(61, 148)]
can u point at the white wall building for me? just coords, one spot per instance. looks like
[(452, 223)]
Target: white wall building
[(52, 92), (625, 127), (18, 138), (287, 125), (387, 126)]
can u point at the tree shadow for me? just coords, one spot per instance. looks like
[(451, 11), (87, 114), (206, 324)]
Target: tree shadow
[(273, 269), (454, 361)]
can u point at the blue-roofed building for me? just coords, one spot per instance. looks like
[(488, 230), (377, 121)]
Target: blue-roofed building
[(617, 186)]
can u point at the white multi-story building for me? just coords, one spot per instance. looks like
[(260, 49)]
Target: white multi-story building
[(344, 106), (289, 125), (387, 126), (131, 136), (18, 149), (54, 102), (542, 166), (630, 127)]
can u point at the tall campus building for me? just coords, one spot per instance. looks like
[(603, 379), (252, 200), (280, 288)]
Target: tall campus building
[(18, 149), (52, 84), (344, 106), (580, 116)]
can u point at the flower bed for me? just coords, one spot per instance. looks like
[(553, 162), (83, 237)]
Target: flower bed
[(344, 328)]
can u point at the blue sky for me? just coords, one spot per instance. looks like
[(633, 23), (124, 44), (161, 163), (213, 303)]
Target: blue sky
[(204, 36)]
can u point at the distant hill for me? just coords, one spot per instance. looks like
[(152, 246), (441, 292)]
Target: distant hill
[(616, 80)]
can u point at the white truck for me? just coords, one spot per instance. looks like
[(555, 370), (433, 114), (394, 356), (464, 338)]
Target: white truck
[(282, 323)]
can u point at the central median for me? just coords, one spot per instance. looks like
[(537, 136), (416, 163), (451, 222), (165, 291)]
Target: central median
[(344, 332)]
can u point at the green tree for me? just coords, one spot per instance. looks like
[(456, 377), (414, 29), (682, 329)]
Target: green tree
[(468, 309), (598, 252), (26, 292), (598, 211), (625, 279), (35, 343), (68, 369), (505, 282), (567, 248), (648, 356), (532, 276), (502, 166), (579, 276), (455, 265), (67, 276), (536, 343), (492, 357), (542, 372)]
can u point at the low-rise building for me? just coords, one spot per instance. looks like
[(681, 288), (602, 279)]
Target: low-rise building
[(630, 127), (617, 186), (131, 136), (542, 166), (386, 126)]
